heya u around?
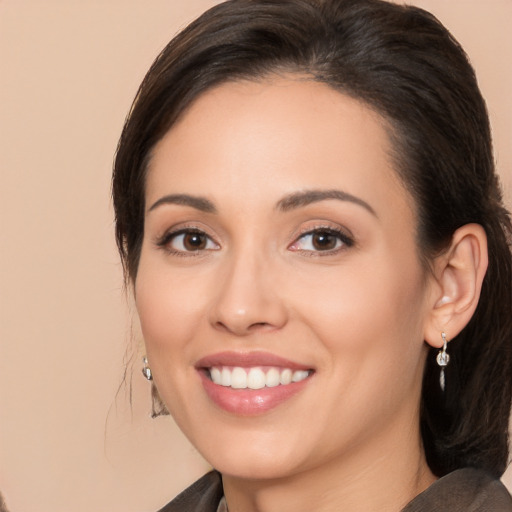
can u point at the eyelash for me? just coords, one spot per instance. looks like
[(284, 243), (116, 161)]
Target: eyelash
[(345, 240), (170, 236), (342, 237)]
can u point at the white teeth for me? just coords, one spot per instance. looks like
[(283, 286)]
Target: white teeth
[(272, 378), (299, 375), (238, 378), (255, 378), (225, 377), (286, 377), (216, 375)]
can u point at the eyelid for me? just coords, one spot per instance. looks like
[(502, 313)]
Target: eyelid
[(346, 238), (171, 234)]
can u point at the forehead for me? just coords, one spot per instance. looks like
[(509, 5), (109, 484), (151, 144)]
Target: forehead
[(273, 136)]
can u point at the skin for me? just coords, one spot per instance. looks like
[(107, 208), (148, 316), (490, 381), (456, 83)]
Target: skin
[(357, 314)]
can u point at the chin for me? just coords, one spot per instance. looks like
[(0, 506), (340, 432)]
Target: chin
[(261, 467), (254, 455)]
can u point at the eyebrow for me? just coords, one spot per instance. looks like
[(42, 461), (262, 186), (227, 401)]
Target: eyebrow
[(300, 199), (287, 203), (197, 202)]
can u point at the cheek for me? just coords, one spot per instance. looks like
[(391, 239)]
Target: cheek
[(372, 315), (169, 313), (167, 309), (371, 332)]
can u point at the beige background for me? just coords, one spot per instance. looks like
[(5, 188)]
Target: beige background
[(68, 72)]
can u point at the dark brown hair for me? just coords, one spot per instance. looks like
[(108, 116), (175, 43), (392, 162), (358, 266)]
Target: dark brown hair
[(405, 65)]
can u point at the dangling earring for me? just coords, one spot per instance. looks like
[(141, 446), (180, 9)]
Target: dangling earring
[(146, 370), (443, 359)]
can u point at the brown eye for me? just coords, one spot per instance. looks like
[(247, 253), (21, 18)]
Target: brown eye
[(194, 241), (324, 241), (188, 240)]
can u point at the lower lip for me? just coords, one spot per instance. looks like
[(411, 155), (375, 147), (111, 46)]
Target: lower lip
[(250, 402)]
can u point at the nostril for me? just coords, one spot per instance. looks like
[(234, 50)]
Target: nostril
[(222, 326), (245, 329), (259, 325)]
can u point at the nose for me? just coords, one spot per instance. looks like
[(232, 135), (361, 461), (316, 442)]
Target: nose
[(248, 298)]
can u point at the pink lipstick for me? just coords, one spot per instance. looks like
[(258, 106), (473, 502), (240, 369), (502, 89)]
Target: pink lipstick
[(251, 383)]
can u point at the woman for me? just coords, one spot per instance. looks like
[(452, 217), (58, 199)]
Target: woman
[(307, 210)]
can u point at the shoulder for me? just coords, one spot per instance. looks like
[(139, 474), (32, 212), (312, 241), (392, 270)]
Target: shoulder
[(464, 490), (203, 495)]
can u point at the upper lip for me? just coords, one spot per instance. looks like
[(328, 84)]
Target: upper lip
[(249, 359)]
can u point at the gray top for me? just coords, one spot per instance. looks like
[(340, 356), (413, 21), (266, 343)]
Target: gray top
[(464, 490)]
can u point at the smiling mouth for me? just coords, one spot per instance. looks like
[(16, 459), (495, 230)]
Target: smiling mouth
[(237, 377), (252, 383)]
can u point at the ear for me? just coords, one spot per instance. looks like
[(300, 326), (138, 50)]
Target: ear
[(458, 276)]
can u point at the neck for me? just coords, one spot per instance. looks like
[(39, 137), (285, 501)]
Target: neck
[(384, 476)]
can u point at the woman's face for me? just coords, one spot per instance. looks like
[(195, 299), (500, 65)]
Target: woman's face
[(280, 293)]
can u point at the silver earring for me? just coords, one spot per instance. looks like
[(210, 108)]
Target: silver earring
[(146, 370), (443, 358)]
